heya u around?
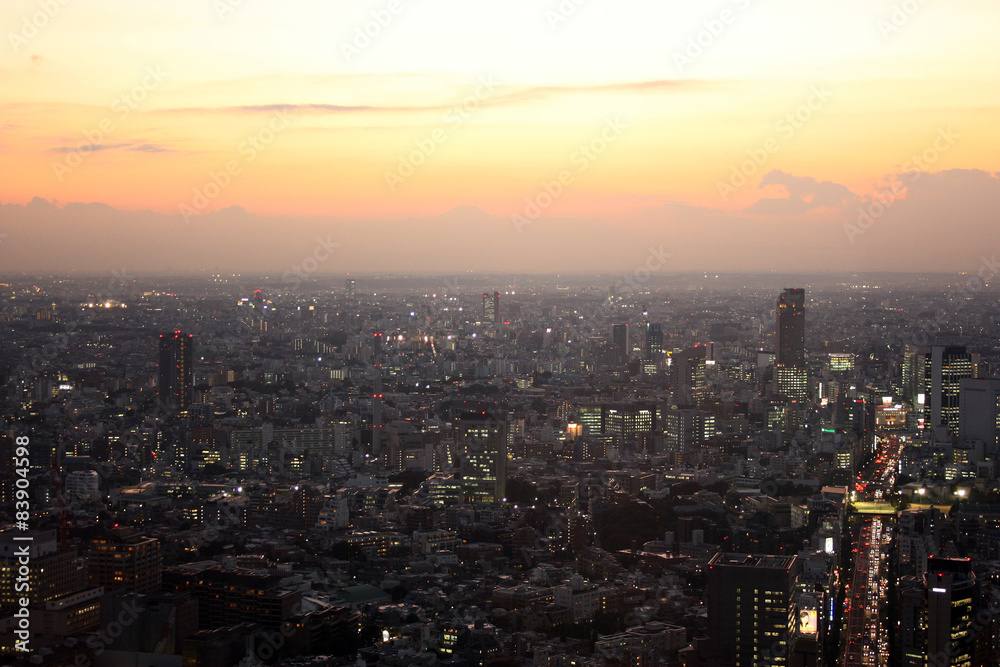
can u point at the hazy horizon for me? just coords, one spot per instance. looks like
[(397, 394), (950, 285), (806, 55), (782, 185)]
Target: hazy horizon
[(250, 137)]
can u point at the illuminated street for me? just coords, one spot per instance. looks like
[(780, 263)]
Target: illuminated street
[(865, 641)]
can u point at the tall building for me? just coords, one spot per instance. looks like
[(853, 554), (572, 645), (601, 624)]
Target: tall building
[(751, 607), (979, 413), (350, 287), (790, 329), (790, 378), (687, 375), (482, 446), (932, 376), (175, 386), (953, 598), (654, 339), (125, 561), (619, 343), (685, 429), (491, 307)]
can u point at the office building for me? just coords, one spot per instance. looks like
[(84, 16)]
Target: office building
[(790, 329), (654, 340), (619, 344), (175, 387), (230, 597), (482, 447), (790, 378), (979, 413), (751, 607), (953, 598), (350, 287), (491, 307), (125, 561), (687, 375), (932, 376)]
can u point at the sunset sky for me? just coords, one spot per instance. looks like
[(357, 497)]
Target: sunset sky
[(456, 113)]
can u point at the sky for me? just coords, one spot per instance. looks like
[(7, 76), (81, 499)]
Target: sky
[(526, 136)]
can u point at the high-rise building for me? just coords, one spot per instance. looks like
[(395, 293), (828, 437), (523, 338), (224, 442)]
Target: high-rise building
[(932, 376), (685, 429), (482, 446), (350, 287), (619, 343), (491, 307), (790, 378), (654, 339), (175, 386), (751, 608), (125, 561), (979, 413), (790, 329), (953, 598), (687, 375)]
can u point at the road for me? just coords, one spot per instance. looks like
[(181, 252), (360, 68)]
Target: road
[(865, 639)]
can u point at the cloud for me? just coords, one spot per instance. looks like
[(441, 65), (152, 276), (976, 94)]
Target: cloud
[(508, 97), (88, 148), (804, 194), (150, 148), (129, 146), (956, 209)]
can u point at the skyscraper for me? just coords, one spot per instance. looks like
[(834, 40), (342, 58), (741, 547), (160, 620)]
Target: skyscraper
[(491, 307), (952, 602), (654, 339), (750, 605), (349, 287), (687, 375), (175, 385), (979, 413), (790, 345), (932, 376), (482, 446), (790, 331), (619, 343)]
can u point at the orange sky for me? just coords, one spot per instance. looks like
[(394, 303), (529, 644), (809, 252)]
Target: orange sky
[(287, 109)]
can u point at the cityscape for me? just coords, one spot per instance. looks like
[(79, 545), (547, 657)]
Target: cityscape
[(482, 470), (543, 333)]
